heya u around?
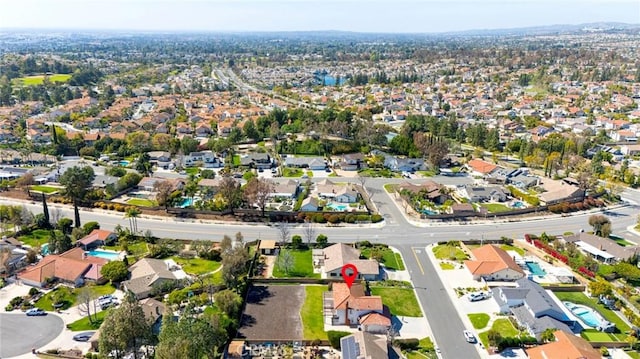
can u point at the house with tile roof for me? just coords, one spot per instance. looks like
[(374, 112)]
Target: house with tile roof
[(97, 238), (492, 263), (567, 346), (336, 256), (351, 306), (147, 273), (73, 267), (480, 167)]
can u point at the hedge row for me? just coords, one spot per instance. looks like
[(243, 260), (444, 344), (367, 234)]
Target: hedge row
[(566, 207), (338, 217), (113, 206)]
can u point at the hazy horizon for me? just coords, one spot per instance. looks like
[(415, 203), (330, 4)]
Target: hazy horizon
[(377, 16)]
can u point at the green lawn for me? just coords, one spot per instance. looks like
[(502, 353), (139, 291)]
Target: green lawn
[(418, 355), (302, 265), (495, 207), (377, 172), (390, 259), (581, 298), (136, 249), (69, 299), (39, 79), (508, 247), (84, 323), (45, 189), (291, 172), (479, 320), (36, 238), (621, 241), (503, 326), (402, 302), (633, 354), (594, 335), (142, 202), (197, 266), (445, 251), (235, 160), (390, 187), (447, 266), (429, 173), (311, 313)]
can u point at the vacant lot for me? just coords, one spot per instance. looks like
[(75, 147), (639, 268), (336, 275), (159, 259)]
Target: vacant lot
[(401, 301), (273, 313), (302, 265)]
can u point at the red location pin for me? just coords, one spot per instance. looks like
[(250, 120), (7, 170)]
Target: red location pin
[(349, 273)]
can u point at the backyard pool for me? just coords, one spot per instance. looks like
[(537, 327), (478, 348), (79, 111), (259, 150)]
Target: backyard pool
[(124, 163), (518, 204), (336, 207), (589, 316), (188, 202), (44, 249), (108, 255), (535, 269), (428, 212)]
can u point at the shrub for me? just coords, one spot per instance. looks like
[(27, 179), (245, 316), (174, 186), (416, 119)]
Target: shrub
[(334, 218), (33, 291), (407, 344), (375, 218), (16, 301), (334, 338)]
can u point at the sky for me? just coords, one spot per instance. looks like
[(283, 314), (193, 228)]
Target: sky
[(394, 16)]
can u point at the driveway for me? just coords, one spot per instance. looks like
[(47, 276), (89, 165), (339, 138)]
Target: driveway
[(19, 333)]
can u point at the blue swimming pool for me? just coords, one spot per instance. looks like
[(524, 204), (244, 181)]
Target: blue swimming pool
[(44, 249), (589, 316), (336, 207), (535, 269), (518, 204), (124, 163), (110, 256)]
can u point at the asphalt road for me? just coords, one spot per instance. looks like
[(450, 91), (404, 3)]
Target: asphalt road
[(19, 333)]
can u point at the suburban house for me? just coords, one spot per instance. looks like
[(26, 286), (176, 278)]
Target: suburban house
[(97, 238), (159, 156), (256, 160), (352, 162), (463, 209), (363, 345), (559, 191), (486, 194), (567, 345), (207, 159), (153, 312), (399, 164), (336, 256), (480, 168), (12, 256), (268, 246), (148, 183), (430, 190), (72, 267), (149, 272), (492, 263), (602, 249), (534, 308), (309, 204), (352, 307), (287, 189), (312, 163), (342, 193)]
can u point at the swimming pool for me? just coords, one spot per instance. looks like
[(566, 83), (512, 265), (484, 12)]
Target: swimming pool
[(108, 255), (44, 249), (518, 204), (535, 269), (428, 212), (336, 207), (589, 316)]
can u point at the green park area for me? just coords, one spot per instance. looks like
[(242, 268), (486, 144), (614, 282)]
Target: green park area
[(39, 79)]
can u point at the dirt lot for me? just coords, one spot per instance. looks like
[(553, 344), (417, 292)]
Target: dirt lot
[(273, 313)]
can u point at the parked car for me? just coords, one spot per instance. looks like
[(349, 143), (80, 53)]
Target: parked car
[(469, 337), (83, 337), (35, 312), (474, 297)]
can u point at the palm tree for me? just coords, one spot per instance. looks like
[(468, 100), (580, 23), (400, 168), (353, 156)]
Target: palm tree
[(77, 181), (132, 214)]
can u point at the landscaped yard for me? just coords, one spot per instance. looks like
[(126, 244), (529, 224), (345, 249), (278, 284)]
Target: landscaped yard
[(136, 249), (291, 172), (84, 323), (377, 172), (39, 79), (45, 189), (142, 202), (302, 265), (70, 295), (594, 335), (235, 160), (518, 250), (621, 241), (581, 298), (447, 266), (311, 313), (197, 266), (448, 251), (390, 259), (36, 238), (503, 326), (495, 207), (402, 302), (479, 320)]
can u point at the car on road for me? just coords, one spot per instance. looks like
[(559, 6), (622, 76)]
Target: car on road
[(469, 337), (476, 296), (83, 337), (35, 312)]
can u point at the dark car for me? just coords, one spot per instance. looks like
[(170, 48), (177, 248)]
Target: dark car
[(83, 337), (35, 312)]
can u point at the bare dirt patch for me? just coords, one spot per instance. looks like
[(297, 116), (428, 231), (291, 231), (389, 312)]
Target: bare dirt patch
[(273, 313)]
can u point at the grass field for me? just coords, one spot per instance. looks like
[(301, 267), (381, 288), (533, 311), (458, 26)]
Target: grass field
[(142, 202), (479, 320), (377, 172), (311, 313), (495, 207), (291, 172), (197, 266), (402, 302), (36, 238), (594, 335), (70, 295), (84, 323), (45, 189), (39, 79), (508, 247), (302, 265), (503, 326), (390, 259), (136, 249), (581, 298), (445, 251), (235, 160)]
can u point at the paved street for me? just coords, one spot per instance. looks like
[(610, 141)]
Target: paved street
[(21, 333)]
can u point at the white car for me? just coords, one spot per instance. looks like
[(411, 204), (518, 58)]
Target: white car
[(474, 297), (469, 337)]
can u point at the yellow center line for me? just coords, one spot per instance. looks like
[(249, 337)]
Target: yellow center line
[(417, 259)]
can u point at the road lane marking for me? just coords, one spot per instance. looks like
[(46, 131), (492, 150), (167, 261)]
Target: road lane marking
[(417, 259)]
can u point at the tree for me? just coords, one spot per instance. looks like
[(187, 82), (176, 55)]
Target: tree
[(45, 213), (59, 242), (87, 302), (296, 240), (548, 336), (601, 225), (163, 190), (143, 164), (229, 302), (115, 271), (132, 214), (124, 329), (90, 226), (309, 231), (322, 240), (77, 181), (231, 192), (284, 232), (494, 337), (234, 265), (257, 192), (600, 287), (25, 182)]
